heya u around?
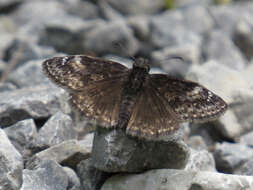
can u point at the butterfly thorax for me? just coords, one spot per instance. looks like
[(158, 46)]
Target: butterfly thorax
[(132, 88)]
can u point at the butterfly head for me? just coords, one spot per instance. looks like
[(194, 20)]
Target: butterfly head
[(141, 63)]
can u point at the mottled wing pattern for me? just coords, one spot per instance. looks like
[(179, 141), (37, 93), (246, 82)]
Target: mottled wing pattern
[(74, 73), (100, 102), (151, 117), (189, 100), (94, 84)]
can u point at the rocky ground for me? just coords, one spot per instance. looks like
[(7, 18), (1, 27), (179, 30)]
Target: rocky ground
[(45, 146)]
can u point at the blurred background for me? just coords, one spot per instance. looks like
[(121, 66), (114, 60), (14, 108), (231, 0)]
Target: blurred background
[(214, 38)]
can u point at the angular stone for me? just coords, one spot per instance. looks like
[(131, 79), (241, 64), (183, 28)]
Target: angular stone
[(73, 180), (22, 76), (90, 177), (68, 153), (229, 157), (36, 102), (7, 87), (178, 180), (11, 164), (219, 47), (107, 37), (200, 160), (245, 169), (114, 151), (108, 12), (48, 175), (196, 142), (21, 133), (57, 129)]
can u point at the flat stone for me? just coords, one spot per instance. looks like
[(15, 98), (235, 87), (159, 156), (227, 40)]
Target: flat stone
[(21, 133), (91, 178), (68, 153), (178, 180), (57, 129), (48, 175), (11, 164), (114, 151), (229, 157), (34, 102)]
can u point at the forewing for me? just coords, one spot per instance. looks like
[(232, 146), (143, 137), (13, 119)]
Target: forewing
[(151, 118), (100, 101), (189, 100), (77, 72)]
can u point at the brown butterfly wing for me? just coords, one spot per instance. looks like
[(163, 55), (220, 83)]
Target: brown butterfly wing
[(95, 85), (151, 117), (189, 100), (74, 73)]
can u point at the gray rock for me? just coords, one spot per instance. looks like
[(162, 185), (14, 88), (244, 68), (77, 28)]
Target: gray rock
[(107, 38), (108, 12), (35, 102), (114, 151), (21, 134), (178, 180), (246, 168), (6, 39), (169, 29), (229, 157), (243, 36), (48, 175), (83, 9), (8, 4), (7, 87), (11, 164), (200, 160), (140, 26), (73, 180), (21, 51), (68, 153), (187, 3), (90, 177), (218, 46), (29, 74), (196, 142), (134, 7), (247, 139), (57, 129), (67, 30)]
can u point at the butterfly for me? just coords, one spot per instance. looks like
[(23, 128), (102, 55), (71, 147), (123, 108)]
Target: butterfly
[(144, 105)]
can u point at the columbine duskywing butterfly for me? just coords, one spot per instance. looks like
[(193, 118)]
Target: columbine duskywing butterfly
[(146, 105)]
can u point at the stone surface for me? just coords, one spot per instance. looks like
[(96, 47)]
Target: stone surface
[(134, 7), (221, 48), (114, 151), (68, 153), (21, 134), (35, 102), (73, 180), (7, 87), (229, 157), (11, 164), (109, 38), (245, 169), (90, 177), (49, 175), (29, 74), (200, 160), (247, 139), (57, 129), (178, 180)]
